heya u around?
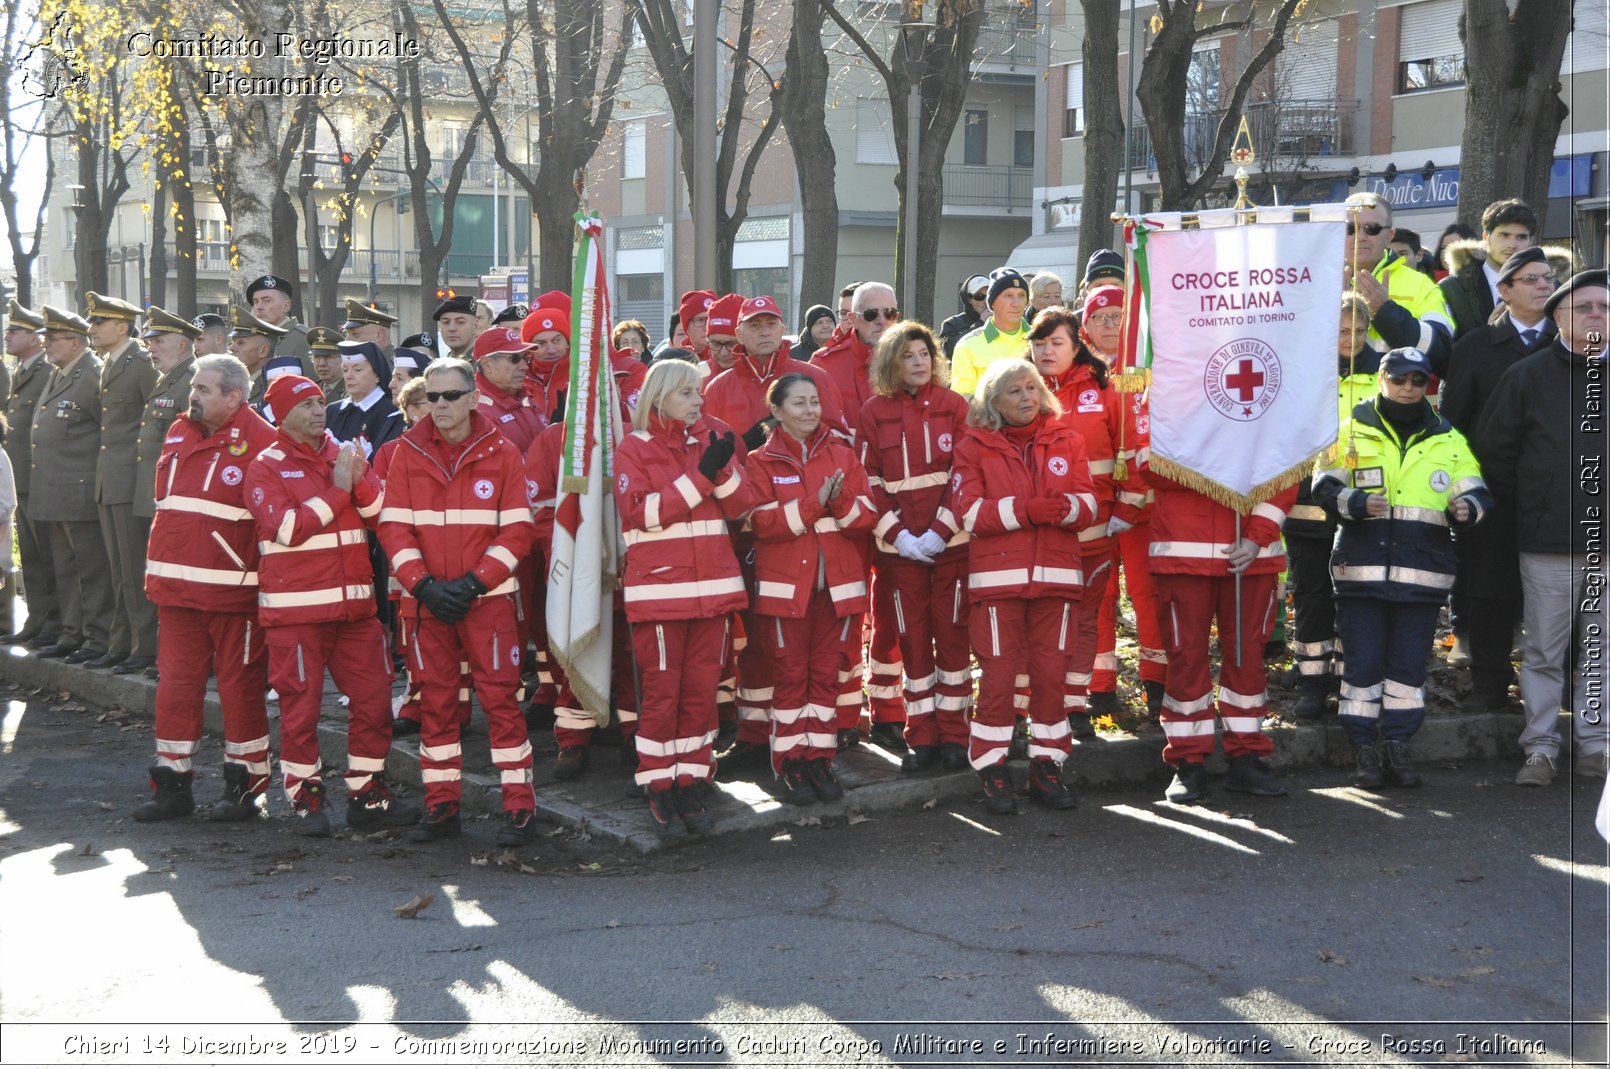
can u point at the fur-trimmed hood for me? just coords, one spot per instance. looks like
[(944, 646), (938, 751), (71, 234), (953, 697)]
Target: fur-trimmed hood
[(1562, 260)]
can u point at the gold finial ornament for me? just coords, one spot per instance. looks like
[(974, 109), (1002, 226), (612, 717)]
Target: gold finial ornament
[(1241, 154)]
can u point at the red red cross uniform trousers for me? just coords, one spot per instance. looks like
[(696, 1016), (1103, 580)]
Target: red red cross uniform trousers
[(1020, 493), (682, 585), (201, 573), (907, 444), (452, 510), (1191, 537), (810, 582), (316, 605), (737, 397), (1096, 410), (1131, 557)]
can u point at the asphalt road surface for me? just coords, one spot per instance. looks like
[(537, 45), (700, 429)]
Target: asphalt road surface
[(1462, 923)]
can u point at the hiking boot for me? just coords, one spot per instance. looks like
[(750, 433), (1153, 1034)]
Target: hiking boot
[(518, 828), (1310, 704), (823, 782), (691, 808), (1046, 786), (1249, 775), (999, 795), (1083, 729), (1400, 772), (377, 807), (919, 758), (1188, 785), (312, 816), (1538, 771), (794, 783), (441, 822), (1101, 703), (744, 759), (1592, 765), (890, 737), (1367, 773), (1459, 656), (571, 762), (239, 802), (171, 797), (952, 756), (848, 739), (662, 811), (1154, 698)]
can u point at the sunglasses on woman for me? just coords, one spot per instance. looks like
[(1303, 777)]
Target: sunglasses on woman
[(1372, 229), (1414, 378)]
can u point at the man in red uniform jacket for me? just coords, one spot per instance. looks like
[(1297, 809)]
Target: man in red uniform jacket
[(455, 523), (313, 500), (201, 573), (501, 360)]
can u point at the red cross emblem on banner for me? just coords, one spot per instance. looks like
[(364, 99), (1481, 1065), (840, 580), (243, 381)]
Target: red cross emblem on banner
[(1242, 379)]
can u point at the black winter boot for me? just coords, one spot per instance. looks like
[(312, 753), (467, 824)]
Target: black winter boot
[(1188, 784), (1154, 698), (1250, 775), (172, 798), (1046, 786), (1367, 768), (238, 802), (1397, 767), (312, 812)]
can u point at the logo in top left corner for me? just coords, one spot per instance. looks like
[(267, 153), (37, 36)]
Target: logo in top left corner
[(53, 63)]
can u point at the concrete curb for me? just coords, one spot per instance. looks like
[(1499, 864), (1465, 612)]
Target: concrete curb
[(603, 805)]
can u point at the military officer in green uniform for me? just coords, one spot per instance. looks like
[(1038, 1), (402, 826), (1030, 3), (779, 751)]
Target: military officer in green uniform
[(38, 577), (324, 348), (251, 341), (271, 298), (127, 379), (61, 486), (364, 323), (172, 341)]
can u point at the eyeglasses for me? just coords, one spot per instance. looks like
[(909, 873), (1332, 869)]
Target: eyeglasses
[(446, 395), (1531, 280), (979, 296), (871, 314), (724, 346), (1110, 320), (516, 358), (1372, 229), (1414, 378)]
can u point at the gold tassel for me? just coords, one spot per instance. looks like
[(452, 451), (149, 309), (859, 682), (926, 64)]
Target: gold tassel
[(1350, 462), (1132, 381), (1120, 469)]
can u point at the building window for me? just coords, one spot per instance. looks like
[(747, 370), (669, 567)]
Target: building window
[(635, 238), (975, 137), (1430, 55), (1202, 80), (1073, 107), (633, 152), (1023, 138), (763, 228), (772, 281), (874, 133)]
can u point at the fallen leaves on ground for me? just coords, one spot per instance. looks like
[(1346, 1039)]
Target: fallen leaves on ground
[(411, 909), (859, 818), (1331, 957), (612, 924), (930, 803), (1434, 981), (808, 822), (89, 851)]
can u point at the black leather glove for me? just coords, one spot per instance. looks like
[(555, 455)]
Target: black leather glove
[(716, 455), (755, 436), (443, 604), (558, 413), (466, 588)]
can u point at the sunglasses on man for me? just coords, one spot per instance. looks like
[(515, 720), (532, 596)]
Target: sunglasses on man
[(1372, 229), (445, 395), (871, 314)]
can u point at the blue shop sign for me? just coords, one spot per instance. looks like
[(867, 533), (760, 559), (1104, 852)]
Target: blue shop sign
[(1570, 176)]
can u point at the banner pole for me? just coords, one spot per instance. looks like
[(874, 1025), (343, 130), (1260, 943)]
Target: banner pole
[(1238, 595)]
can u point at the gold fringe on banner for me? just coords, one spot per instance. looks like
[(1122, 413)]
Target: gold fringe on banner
[(574, 484), (1132, 381), (1242, 503)]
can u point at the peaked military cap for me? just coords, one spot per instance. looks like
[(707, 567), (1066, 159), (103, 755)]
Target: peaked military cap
[(269, 282), (57, 320), (323, 340), (98, 307), (22, 317), (158, 321), (360, 314), (244, 325)]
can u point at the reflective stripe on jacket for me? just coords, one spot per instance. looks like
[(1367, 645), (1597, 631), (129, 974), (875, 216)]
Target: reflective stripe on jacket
[(907, 444)]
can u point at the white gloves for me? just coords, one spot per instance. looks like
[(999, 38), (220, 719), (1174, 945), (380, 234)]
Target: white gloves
[(931, 544), (907, 545), (1116, 527)]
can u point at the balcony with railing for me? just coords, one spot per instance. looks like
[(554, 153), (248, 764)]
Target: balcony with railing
[(1006, 37), (212, 259), (992, 186), (1281, 129)]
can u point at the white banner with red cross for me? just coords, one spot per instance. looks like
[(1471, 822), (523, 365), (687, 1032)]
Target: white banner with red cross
[(1239, 325)]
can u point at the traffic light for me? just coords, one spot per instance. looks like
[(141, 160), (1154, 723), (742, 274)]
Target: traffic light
[(346, 164), (444, 292)]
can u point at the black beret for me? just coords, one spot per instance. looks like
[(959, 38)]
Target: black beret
[(1529, 255), (464, 304), (514, 313), (1580, 280), (270, 282), (210, 321), (422, 342)]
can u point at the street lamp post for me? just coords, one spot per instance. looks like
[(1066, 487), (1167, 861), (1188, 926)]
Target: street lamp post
[(374, 261), (913, 40)]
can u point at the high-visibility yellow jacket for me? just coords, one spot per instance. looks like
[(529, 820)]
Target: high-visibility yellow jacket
[(978, 350)]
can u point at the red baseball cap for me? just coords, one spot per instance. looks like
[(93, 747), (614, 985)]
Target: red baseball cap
[(724, 315), (288, 391), (694, 303), (500, 340), (759, 306), (542, 320), (1103, 297)]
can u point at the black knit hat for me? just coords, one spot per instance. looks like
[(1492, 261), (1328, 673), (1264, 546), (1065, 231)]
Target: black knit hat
[(1002, 279), (1104, 263)]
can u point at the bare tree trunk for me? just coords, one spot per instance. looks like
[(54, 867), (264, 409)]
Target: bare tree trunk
[(287, 239), (1103, 127), (21, 134), (1513, 110), (804, 117), (158, 286), (184, 222), (252, 165)]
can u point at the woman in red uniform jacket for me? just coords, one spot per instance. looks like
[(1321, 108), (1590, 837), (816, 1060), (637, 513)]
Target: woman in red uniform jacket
[(675, 489), (907, 436), (1022, 488), (1078, 379), (810, 579)]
